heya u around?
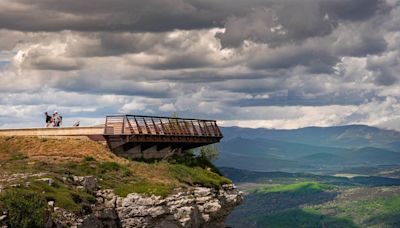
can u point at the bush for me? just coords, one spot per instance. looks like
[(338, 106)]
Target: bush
[(209, 152), (191, 160), (25, 208), (109, 166), (198, 176), (89, 159)]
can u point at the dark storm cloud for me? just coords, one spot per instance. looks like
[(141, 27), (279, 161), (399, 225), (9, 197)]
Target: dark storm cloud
[(182, 62), (384, 69), (352, 9), (102, 15), (294, 21), (271, 21), (165, 15), (319, 60), (211, 76), (112, 44)]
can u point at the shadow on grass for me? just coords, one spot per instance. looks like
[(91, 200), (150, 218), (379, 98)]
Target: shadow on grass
[(276, 201), (302, 218), (388, 220), (260, 204)]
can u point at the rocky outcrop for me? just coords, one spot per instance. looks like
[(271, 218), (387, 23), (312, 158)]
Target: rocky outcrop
[(86, 182), (192, 207), (185, 207)]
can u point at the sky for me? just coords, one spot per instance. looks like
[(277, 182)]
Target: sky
[(254, 63)]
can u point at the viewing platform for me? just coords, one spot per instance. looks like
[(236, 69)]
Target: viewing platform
[(138, 136)]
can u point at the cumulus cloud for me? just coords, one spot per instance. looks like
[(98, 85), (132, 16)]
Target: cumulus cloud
[(270, 63)]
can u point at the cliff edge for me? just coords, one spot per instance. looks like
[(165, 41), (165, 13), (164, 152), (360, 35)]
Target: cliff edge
[(79, 183)]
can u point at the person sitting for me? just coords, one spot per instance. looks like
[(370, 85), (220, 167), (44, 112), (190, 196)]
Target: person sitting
[(76, 124)]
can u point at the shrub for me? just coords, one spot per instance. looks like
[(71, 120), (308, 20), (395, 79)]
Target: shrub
[(89, 159), (209, 152), (191, 160), (197, 176), (25, 208), (109, 166)]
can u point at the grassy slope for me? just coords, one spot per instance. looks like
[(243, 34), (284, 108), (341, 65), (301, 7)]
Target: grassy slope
[(61, 159), (297, 188), (53, 150)]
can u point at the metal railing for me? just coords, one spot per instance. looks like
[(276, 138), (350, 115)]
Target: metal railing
[(158, 125)]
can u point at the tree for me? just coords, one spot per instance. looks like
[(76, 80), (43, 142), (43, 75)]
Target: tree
[(174, 115), (174, 122), (210, 152)]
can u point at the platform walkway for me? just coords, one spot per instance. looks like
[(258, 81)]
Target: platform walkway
[(137, 136)]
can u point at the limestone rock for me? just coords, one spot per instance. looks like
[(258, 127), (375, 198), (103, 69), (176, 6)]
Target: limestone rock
[(49, 181), (192, 207), (3, 217), (88, 182), (51, 203)]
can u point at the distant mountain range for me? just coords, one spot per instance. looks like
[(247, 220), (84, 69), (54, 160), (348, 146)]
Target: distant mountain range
[(309, 148)]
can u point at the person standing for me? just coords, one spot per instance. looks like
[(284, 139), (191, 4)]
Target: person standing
[(57, 119), (48, 119)]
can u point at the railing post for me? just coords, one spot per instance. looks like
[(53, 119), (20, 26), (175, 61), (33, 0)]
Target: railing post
[(173, 132), (163, 127), (206, 127), (218, 130), (123, 125), (187, 130), (137, 125), (178, 125), (214, 130), (194, 128), (147, 126), (201, 129), (155, 126), (130, 125), (106, 126)]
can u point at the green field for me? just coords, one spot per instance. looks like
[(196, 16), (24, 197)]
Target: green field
[(297, 188)]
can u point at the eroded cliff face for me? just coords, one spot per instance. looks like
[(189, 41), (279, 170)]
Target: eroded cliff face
[(191, 207)]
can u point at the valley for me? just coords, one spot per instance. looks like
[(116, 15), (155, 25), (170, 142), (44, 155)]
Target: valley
[(278, 199), (314, 177)]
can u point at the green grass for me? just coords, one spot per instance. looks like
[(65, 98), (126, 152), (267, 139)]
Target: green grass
[(297, 188), (119, 177), (63, 195), (144, 188), (110, 175), (197, 176), (158, 178), (26, 208)]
